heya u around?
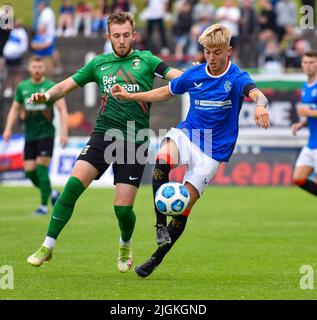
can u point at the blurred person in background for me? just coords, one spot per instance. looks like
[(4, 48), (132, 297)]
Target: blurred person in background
[(154, 14), (267, 17), (123, 5), (83, 16), (203, 10), (36, 12), (293, 47), (248, 32), (13, 52), (229, 16), (286, 15), (66, 19), (39, 130), (43, 45), (306, 163), (269, 52), (100, 18), (181, 31)]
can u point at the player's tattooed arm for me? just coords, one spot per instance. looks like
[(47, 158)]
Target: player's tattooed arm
[(261, 114), (58, 91), (159, 94)]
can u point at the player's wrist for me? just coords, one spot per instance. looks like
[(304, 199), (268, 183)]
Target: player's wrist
[(47, 96)]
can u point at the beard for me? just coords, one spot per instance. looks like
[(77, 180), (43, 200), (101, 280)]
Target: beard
[(126, 52)]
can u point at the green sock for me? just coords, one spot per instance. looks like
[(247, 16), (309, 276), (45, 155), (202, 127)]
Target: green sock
[(126, 219), (64, 206), (32, 175), (44, 183)]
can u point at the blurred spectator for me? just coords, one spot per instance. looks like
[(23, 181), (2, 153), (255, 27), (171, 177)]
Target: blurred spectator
[(154, 15), (229, 16), (286, 15), (13, 52), (267, 17), (100, 18), (36, 12), (269, 52), (293, 46), (203, 10), (123, 5), (181, 29), (248, 32), (43, 45), (46, 18), (4, 35), (44, 39), (195, 49), (83, 16), (66, 19)]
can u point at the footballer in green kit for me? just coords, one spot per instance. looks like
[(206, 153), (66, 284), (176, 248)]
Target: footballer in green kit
[(39, 130), (118, 122)]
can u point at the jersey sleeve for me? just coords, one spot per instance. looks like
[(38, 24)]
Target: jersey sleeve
[(18, 95), (178, 86), (86, 74), (158, 66), (244, 84)]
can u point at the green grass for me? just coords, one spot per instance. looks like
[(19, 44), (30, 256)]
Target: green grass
[(240, 243)]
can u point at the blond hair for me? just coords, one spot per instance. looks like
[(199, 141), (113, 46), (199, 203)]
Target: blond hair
[(216, 35)]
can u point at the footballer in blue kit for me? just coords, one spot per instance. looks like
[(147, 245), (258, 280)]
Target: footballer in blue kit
[(209, 133), (306, 162)]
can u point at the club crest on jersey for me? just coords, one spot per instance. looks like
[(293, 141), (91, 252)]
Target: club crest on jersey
[(314, 93), (227, 86), (136, 64)]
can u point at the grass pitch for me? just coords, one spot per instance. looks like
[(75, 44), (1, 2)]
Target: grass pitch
[(240, 243)]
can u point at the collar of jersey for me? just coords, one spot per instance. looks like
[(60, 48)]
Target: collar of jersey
[(309, 85), (219, 75)]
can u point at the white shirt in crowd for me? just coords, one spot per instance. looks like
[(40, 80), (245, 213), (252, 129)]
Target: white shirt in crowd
[(47, 19), (16, 45), (229, 17)]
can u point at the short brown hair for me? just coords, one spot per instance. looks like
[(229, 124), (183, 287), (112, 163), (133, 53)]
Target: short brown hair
[(310, 54), (120, 17), (36, 58)]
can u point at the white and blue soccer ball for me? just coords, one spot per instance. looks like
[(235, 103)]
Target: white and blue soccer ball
[(172, 198)]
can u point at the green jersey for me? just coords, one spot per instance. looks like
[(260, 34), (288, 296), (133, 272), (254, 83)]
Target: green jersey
[(134, 73), (39, 117)]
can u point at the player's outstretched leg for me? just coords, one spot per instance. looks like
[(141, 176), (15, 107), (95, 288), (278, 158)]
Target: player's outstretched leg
[(126, 220), (175, 229), (160, 176), (62, 212), (300, 178)]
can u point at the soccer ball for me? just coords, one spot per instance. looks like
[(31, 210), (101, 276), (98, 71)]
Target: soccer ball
[(172, 198)]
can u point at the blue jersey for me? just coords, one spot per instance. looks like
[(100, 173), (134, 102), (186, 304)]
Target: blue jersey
[(212, 121), (309, 99)]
